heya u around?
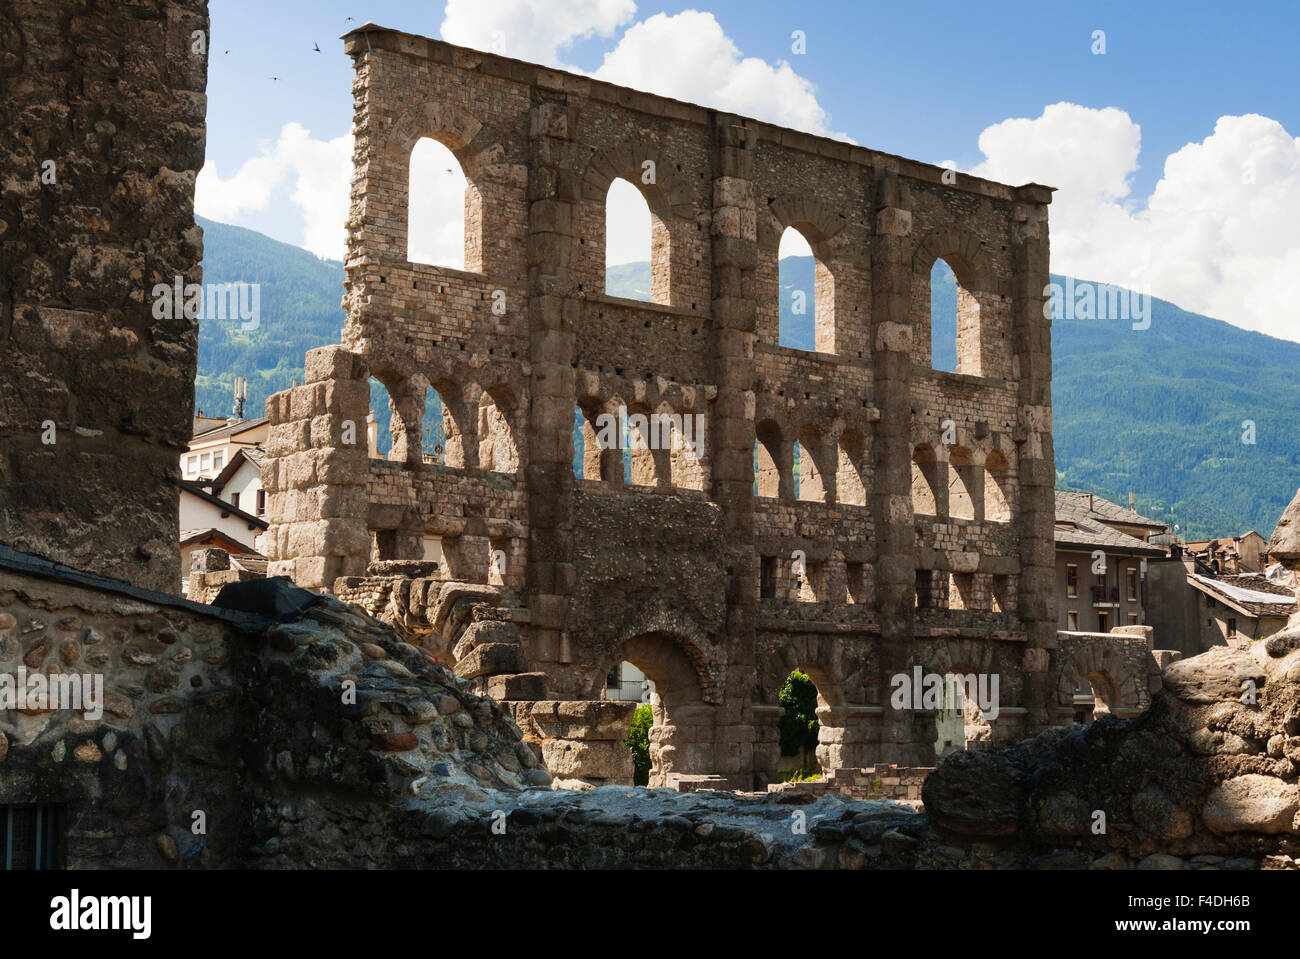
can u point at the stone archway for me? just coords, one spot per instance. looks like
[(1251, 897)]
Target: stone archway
[(1120, 670), (847, 737), (968, 673), (681, 738)]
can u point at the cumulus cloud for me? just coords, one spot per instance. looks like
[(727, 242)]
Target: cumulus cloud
[(436, 229), (319, 170), (535, 30), (688, 56), (1217, 235)]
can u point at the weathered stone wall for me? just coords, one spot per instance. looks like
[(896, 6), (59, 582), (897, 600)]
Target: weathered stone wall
[(900, 783), (669, 570), (247, 712), (126, 783), (1210, 769), (103, 112)]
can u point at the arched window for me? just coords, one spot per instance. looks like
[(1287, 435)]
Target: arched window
[(925, 480), (445, 211), (807, 291), (849, 488), (681, 436), (433, 446), (997, 488), (809, 480), (584, 445), (444, 426), (954, 322), (767, 460), (962, 475), (381, 411), (639, 468), (497, 449), (943, 317), (629, 252)]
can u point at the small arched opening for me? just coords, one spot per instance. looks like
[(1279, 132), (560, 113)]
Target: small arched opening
[(849, 488), (498, 450), (926, 470), (444, 212), (662, 675), (807, 291)]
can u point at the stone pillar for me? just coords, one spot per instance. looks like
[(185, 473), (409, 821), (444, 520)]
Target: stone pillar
[(553, 308), (103, 120), (316, 472), (1036, 517), (735, 316), (891, 494)]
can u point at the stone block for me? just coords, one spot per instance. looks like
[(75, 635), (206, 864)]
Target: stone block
[(490, 658), (519, 686)]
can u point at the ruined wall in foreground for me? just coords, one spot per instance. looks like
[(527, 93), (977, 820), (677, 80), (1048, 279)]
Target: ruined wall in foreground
[(102, 108)]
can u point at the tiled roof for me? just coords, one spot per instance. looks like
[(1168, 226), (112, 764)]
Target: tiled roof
[(1251, 593), (211, 533), (1078, 523), (253, 562), (230, 429), (1100, 508)]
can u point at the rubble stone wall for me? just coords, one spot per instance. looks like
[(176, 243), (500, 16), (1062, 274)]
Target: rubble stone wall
[(103, 111), (127, 783)]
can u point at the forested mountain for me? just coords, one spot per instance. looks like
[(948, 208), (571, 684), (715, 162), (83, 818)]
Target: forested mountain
[(1159, 411)]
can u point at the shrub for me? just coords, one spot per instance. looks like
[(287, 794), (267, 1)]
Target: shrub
[(798, 724), (638, 740)]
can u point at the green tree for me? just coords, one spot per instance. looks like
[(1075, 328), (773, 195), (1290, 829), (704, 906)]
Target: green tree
[(638, 740), (799, 724)]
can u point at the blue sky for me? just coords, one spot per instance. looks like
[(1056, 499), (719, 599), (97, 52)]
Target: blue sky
[(920, 80)]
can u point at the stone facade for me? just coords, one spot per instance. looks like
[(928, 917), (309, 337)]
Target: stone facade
[(923, 529), (103, 112)]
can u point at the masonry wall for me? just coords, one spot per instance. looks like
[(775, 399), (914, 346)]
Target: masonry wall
[(714, 590), (123, 786), (103, 113)]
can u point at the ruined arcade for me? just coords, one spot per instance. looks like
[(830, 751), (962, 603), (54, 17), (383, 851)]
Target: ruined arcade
[(916, 531)]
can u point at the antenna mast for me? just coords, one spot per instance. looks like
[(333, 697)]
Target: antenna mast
[(241, 394)]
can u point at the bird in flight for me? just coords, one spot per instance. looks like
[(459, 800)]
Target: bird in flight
[(273, 78), (316, 47)]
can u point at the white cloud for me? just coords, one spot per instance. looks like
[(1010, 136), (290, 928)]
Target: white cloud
[(437, 225), (535, 30), (627, 219), (687, 56), (1217, 235), (320, 171), (793, 243)]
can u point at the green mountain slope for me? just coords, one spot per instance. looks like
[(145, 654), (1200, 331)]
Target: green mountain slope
[(1156, 411)]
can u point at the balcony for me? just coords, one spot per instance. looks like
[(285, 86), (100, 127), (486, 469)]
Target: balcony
[(1105, 596)]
